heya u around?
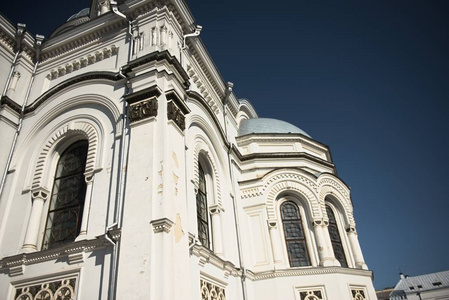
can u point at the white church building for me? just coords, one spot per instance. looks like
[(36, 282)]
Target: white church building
[(131, 170)]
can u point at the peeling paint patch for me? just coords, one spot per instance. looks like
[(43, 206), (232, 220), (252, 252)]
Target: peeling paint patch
[(178, 232), (175, 159)]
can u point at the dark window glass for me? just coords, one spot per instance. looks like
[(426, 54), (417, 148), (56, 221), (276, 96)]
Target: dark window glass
[(294, 235), (202, 213), (67, 199), (335, 238)]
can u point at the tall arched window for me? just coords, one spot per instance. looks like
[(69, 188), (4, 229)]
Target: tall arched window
[(294, 235), (202, 212), (67, 199), (335, 238)]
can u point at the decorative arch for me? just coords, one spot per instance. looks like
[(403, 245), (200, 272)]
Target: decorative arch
[(72, 129), (292, 182), (329, 186), (202, 149)]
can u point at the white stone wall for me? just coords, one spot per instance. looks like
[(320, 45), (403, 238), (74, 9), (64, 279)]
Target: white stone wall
[(139, 233)]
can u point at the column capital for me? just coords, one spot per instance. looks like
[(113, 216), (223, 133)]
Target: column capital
[(320, 222), (351, 228), (272, 223), (216, 209), (40, 193)]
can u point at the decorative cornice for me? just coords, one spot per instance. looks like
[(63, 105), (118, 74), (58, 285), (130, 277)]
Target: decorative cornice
[(71, 250), (207, 256), (255, 276), (82, 62), (158, 56), (285, 155), (151, 92), (162, 225), (50, 51), (203, 90), (80, 78), (11, 104)]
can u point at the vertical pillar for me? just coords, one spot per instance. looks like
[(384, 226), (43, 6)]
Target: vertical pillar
[(323, 249), (39, 197), (355, 246), (217, 240), (83, 230), (275, 241), (330, 249)]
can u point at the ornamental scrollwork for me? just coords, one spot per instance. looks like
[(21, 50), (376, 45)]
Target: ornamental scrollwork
[(52, 290), (143, 110), (210, 291), (358, 294), (176, 115)]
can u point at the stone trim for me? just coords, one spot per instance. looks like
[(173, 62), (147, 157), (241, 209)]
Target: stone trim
[(307, 271), (158, 56), (162, 225), (77, 79), (82, 128), (73, 251), (82, 62)]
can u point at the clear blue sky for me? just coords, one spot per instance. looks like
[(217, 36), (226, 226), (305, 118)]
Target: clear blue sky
[(368, 78)]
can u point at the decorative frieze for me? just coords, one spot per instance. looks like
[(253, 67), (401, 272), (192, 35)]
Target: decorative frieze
[(143, 110), (210, 291), (175, 114), (202, 89), (143, 104), (82, 62), (51, 290)]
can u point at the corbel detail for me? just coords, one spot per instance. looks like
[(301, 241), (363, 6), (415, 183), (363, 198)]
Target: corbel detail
[(40, 193), (162, 225)]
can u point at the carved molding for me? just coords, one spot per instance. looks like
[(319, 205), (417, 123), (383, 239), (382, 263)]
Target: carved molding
[(211, 291), (82, 62), (73, 251), (162, 225), (48, 290), (82, 128), (142, 110), (175, 114), (307, 272), (203, 90)]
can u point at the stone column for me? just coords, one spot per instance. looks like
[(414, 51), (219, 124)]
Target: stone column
[(330, 249), (325, 259), (275, 241), (83, 230), (39, 197), (355, 246), (217, 240)]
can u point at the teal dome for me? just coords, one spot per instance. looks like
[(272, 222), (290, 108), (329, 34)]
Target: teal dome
[(266, 125)]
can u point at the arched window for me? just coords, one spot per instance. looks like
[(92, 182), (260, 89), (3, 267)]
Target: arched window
[(202, 211), (335, 238), (294, 235), (67, 199)]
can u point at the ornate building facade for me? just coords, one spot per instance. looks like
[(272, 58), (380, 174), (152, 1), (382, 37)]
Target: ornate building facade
[(130, 170)]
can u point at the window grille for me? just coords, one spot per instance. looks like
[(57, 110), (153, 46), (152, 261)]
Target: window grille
[(335, 238), (294, 235), (67, 199), (202, 210)]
